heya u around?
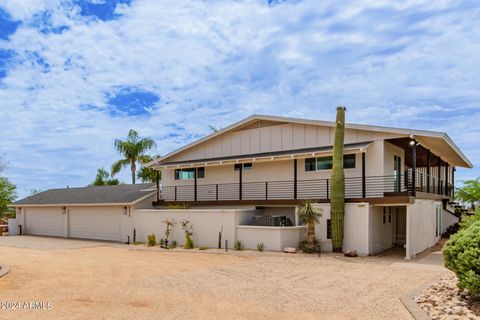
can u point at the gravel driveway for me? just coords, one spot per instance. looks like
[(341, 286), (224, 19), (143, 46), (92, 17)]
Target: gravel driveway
[(114, 282)]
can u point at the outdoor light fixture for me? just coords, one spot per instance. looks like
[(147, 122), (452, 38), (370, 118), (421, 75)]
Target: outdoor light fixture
[(125, 210), (412, 142), (64, 210)]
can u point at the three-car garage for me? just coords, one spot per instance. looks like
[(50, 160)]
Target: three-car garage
[(100, 213)]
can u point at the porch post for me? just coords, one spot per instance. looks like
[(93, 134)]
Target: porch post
[(428, 171), (453, 181), (446, 179), (439, 175), (364, 181), (195, 186), (240, 174), (295, 179), (414, 168), (157, 180)]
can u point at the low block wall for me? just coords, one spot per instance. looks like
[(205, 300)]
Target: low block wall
[(273, 238), (206, 224)]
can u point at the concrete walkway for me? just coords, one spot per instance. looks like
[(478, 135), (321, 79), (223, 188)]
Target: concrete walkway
[(50, 243), (431, 261)]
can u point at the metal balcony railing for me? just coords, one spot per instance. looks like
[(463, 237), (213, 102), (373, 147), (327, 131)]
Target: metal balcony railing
[(315, 189)]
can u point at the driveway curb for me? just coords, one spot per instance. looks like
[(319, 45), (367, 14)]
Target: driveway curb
[(4, 270), (414, 308)]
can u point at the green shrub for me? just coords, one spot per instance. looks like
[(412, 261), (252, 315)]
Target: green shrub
[(308, 248), (467, 221), (188, 229), (162, 242), (203, 248), (238, 245), (260, 246), (462, 256), (151, 240), (174, 244)]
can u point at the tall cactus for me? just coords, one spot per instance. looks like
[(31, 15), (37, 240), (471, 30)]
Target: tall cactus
[(338, 182)]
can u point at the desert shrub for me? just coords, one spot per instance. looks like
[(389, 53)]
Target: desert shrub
[(467, 221), (260, 246), (462, 256), (188, 229), (162, 242), (238, 245), (169, 224), (174, 244), (308, 248), (203, 248), (151, 240), (178, 206)]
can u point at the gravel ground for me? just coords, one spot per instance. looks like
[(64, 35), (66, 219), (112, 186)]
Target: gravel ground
[(118, 283)]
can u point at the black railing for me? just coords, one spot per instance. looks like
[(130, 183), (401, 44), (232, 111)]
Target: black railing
[(355, 187)]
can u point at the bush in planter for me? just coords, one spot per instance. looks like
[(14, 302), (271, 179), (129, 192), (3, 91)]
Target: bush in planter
[(151, 240), (462, 256)]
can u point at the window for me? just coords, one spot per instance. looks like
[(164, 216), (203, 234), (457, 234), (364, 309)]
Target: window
[(186, 174), (349, 161), (387, 215), (246, 166), (326, 163), (310, 164), (329, 229)]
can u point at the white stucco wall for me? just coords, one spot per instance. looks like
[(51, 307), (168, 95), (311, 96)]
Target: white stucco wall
[(421, 226), (206, 224), (380, 234), (274, 238), (447, 220)]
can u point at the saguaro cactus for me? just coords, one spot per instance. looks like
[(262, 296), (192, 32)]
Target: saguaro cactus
[(338, 182)]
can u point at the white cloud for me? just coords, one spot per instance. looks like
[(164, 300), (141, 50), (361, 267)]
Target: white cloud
[(407, 64)]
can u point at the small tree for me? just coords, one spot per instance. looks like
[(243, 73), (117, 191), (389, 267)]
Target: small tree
[(188, 229), (7, 193), (310, 215), (169, 224), (469, 193), (103, 178)]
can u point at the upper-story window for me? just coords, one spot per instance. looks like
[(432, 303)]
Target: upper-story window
[(246, 166), (186, 174), (326, 163)]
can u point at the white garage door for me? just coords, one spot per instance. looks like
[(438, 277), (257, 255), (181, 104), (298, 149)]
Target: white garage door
[(44, 221), (94, 223)]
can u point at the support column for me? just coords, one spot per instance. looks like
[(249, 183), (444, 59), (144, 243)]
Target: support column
[(195, 185), (439, 168), (295, 179), (428, 171), (240, 176), (453, 182), (446, 179), (414, 168), (364, 181), (157, 180)]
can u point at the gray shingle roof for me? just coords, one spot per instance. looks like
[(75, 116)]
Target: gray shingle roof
[(123, 193)]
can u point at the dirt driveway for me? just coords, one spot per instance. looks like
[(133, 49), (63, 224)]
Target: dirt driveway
[(105, 281)]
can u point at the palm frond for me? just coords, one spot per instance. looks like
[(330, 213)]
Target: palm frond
[(119, 165)]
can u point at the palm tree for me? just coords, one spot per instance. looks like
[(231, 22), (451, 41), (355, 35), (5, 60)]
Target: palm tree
[(133, 150), (310, 215), (148, 174), (103, 178)]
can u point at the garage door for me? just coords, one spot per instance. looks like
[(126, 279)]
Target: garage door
[(44, 221), (94, 223)]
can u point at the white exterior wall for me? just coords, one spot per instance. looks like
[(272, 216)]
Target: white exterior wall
[(274, 238), (421, 226), (277, 137), (356, 228), (206, 223), (380, 235)]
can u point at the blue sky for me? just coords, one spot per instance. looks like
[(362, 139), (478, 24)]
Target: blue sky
[(75, 75)]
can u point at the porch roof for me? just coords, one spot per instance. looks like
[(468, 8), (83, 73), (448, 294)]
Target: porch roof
[(263, 156)]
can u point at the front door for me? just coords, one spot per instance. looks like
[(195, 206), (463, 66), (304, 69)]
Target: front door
[(397, 173)]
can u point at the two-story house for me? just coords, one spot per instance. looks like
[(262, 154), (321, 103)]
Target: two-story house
[(398, 182)]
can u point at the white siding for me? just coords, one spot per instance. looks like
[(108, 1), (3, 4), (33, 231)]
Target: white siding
[(356, 228)]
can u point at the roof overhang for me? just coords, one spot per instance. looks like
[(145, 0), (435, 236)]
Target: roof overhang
[(265, 156)]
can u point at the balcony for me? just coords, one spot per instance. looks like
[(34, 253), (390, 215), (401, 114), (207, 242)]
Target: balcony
[(407, 184)]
